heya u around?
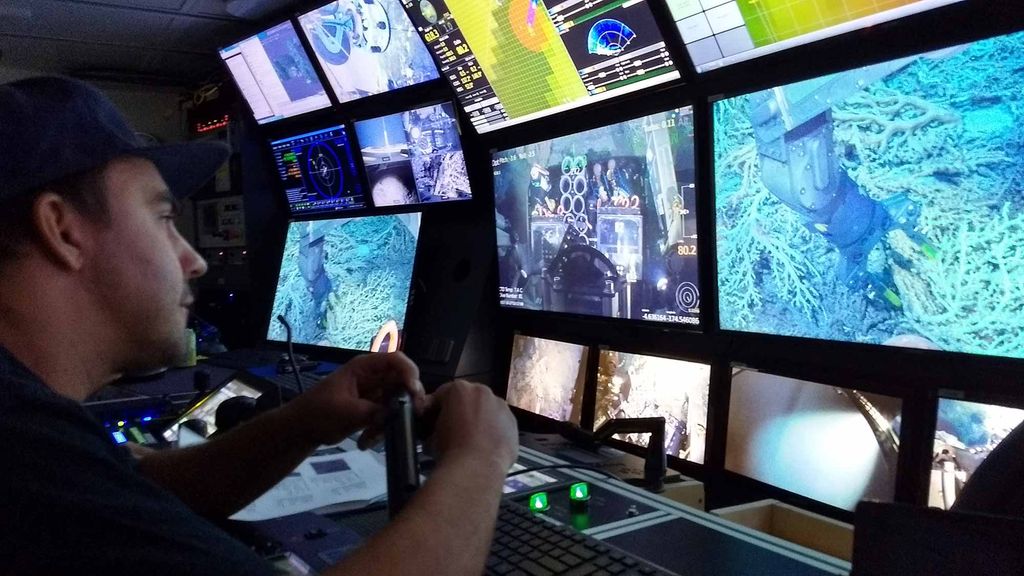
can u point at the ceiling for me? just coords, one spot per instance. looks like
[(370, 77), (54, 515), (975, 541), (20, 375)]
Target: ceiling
[(162, 42)]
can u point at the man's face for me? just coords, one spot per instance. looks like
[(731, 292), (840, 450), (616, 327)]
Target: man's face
[(141, 266)]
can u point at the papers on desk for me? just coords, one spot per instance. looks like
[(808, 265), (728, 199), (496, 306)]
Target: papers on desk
[(331, 480)]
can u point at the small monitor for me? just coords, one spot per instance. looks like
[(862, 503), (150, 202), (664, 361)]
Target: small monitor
[(414, 157), (603, 222), (718, 33), (318, 171), (511, 62), (641, 386), (367, 48), (965, 433), (872, 206), (345, 283), (206, 410), (274, 74), (835, 445), (547, 377)]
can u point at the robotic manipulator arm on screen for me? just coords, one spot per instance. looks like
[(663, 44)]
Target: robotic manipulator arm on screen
[(795, 144)]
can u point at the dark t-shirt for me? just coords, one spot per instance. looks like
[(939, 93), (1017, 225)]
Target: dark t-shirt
[(71, 501)]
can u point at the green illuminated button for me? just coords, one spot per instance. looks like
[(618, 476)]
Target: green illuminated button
[(539, 502), (579, 491)]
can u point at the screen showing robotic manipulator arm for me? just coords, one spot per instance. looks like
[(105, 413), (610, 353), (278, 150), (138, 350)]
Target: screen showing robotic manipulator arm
[(345, 283), (876, 205), (602, 222)]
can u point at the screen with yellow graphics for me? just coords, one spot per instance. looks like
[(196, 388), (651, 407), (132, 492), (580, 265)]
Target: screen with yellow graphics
[(722, 32), (517, 60)]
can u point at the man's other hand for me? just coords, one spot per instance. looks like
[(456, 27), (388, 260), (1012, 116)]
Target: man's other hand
[(355, 397), (474, 423)]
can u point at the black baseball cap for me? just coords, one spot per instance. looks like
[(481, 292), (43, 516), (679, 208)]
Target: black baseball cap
[(52, 127)]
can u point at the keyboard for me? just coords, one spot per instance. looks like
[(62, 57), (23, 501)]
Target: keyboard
[(528, 545)]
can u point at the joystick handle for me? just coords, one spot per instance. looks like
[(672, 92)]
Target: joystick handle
[(400, 453)]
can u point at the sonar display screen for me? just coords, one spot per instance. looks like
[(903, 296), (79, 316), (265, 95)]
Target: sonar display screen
[(367, 48), (639, 386), (835, 445), (511, 62), (414, 157), (318, 171), (965, 434), (718, 33), (884, 206), (603, 222), (345, 283), (547, 377), (274, 74)]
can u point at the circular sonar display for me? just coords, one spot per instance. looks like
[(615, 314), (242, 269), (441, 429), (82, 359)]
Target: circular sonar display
[(609, 37), (324, 170)]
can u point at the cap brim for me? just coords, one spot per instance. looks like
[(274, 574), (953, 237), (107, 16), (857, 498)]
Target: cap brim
[(186, 166)]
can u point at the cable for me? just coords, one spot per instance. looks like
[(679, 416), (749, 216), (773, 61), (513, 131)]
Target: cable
[(558, 466), (291, 353)]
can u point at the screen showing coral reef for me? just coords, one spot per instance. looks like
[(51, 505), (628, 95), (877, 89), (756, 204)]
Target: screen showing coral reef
[(345, 283), (965, 434), (511, 62), (547, 377), (639, 386), (880, 205), (832, 444), (318, 171), (603, 222), (367, 48), (722, 32), (274, 74), (414, 156)]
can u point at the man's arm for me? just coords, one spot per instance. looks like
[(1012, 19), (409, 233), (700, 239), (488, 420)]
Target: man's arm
[(222, 476), (446, 528)]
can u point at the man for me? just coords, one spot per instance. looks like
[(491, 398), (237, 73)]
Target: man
[(93, 284)]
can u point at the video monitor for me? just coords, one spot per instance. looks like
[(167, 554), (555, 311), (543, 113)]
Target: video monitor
[(414, 157), (547, 377), (831, 444), (965, 434), (345, 283), (718, 33), (511, 62), (274, 74), (640, 386), (879, 205), (318, 171), (603, 222), (206, 410), (367, 48)]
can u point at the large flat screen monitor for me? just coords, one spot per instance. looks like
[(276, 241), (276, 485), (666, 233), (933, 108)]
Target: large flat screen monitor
[(547, 377), (965, 433), (345, 283), (367, 48), (879, 205), (414, 157), (718, 33), (318, 171), (835, 445), (641, 386), (511, 62), (603, 222), (274, 74)]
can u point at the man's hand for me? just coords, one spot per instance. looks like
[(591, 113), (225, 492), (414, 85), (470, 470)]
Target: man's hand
[(355, 397), (474, 423)]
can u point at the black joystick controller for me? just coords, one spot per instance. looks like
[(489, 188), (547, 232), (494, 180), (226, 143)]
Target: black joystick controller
[(403, 469)]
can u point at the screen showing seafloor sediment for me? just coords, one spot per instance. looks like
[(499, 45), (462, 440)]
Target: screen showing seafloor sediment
[(547, 377), (879, 205), (639, 386), (831, 444), (345, 283)]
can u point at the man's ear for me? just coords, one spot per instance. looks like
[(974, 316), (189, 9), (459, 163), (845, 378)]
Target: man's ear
[(64, 233)]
